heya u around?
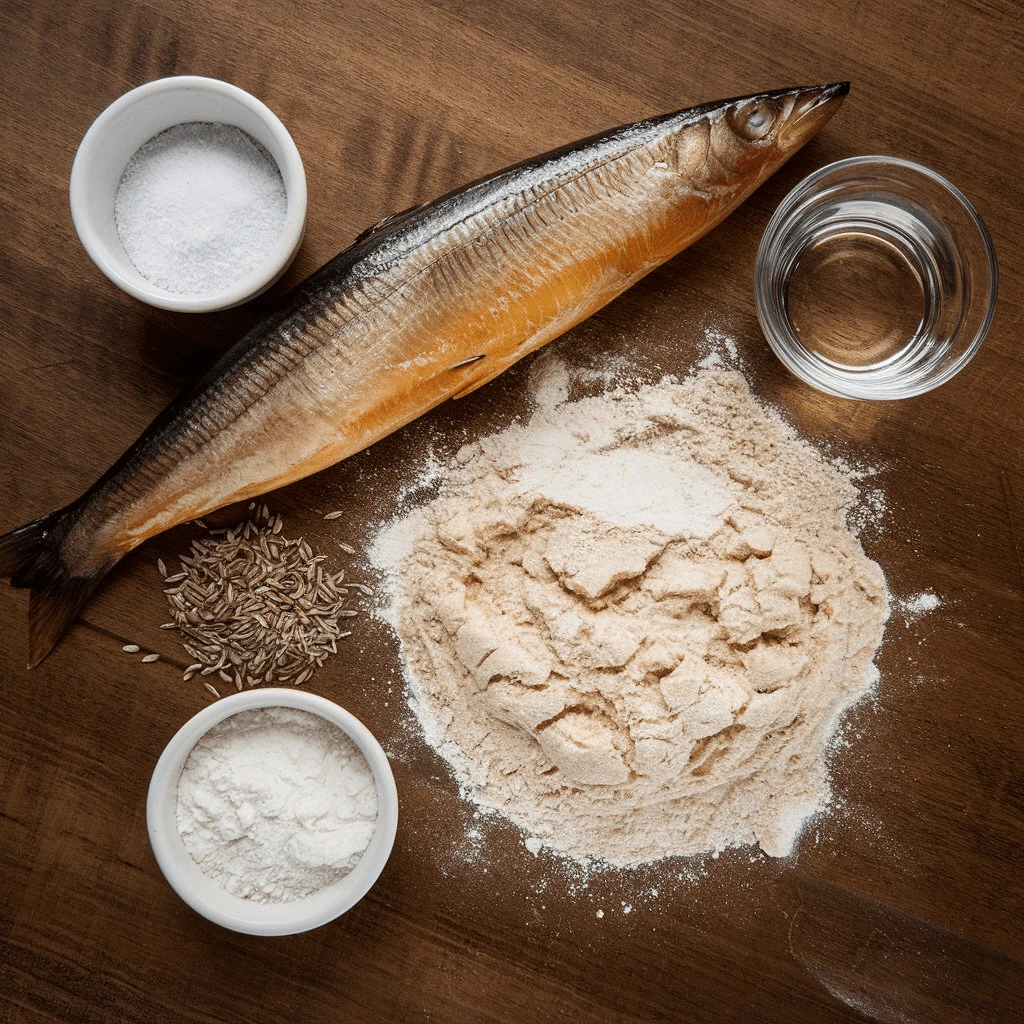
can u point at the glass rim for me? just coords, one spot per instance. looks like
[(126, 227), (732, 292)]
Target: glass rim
[(856, 382)]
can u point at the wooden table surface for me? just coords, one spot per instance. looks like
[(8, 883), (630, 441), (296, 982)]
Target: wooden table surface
[(904, 903)]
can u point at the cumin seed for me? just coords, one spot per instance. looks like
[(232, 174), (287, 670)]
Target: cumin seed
[(255, 606)]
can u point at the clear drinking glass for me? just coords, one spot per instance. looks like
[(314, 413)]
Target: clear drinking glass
[(875, 278)]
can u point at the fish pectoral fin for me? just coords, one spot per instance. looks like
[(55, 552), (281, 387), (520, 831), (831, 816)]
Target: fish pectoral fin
[(467, 362), (387, 222), (489, 371)]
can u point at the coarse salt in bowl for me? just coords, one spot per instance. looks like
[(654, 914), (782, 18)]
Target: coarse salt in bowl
[(207, 896), (137, 118)]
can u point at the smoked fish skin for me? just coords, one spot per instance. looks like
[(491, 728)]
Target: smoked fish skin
[(427, 305)]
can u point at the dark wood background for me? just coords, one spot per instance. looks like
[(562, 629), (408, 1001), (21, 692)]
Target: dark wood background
[(903, 904)]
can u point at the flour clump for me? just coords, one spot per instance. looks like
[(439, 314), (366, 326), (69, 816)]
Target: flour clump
[(632, 624)]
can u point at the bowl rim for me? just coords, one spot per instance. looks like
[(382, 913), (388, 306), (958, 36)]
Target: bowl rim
[(204, 895), (290, 166), (847, 382)]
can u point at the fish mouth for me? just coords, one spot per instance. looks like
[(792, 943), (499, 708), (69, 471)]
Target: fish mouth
[(812, 107)]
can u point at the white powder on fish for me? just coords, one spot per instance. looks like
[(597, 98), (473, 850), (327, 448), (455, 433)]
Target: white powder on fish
[(199, 207), (275, 804), (632, 624)]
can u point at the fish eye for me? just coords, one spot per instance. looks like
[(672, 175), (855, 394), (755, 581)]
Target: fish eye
[(755, 120)]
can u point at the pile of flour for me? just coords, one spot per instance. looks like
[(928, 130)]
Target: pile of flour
[(632, 624)]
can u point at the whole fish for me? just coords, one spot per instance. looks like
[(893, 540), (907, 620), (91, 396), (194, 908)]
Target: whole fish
[(427, 305)]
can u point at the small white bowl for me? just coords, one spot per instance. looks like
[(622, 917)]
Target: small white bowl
[(208, 898), (131, 121)]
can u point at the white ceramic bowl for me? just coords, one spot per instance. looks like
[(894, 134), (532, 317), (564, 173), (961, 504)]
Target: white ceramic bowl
[(132, 120), (214, 902)]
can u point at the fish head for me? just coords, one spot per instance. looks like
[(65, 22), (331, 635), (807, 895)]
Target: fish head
[(718, 154), (758, 133), (738, 143)]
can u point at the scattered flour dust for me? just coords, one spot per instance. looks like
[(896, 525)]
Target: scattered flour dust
[(633, 623), (913, 607)]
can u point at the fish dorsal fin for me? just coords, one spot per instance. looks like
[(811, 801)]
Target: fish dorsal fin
[(387, 222)]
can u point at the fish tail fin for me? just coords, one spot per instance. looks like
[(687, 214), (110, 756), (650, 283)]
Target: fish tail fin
[(32, 557)]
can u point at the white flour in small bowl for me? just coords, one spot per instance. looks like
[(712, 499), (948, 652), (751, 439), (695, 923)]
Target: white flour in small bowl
[(632, 624), (276, 803)]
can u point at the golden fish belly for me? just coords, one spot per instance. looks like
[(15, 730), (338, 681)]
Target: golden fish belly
[(519, 275)]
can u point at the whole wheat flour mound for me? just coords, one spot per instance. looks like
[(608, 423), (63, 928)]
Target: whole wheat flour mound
[(632, 624)]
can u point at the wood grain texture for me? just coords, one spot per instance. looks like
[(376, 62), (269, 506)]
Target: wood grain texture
[(902, 904)]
